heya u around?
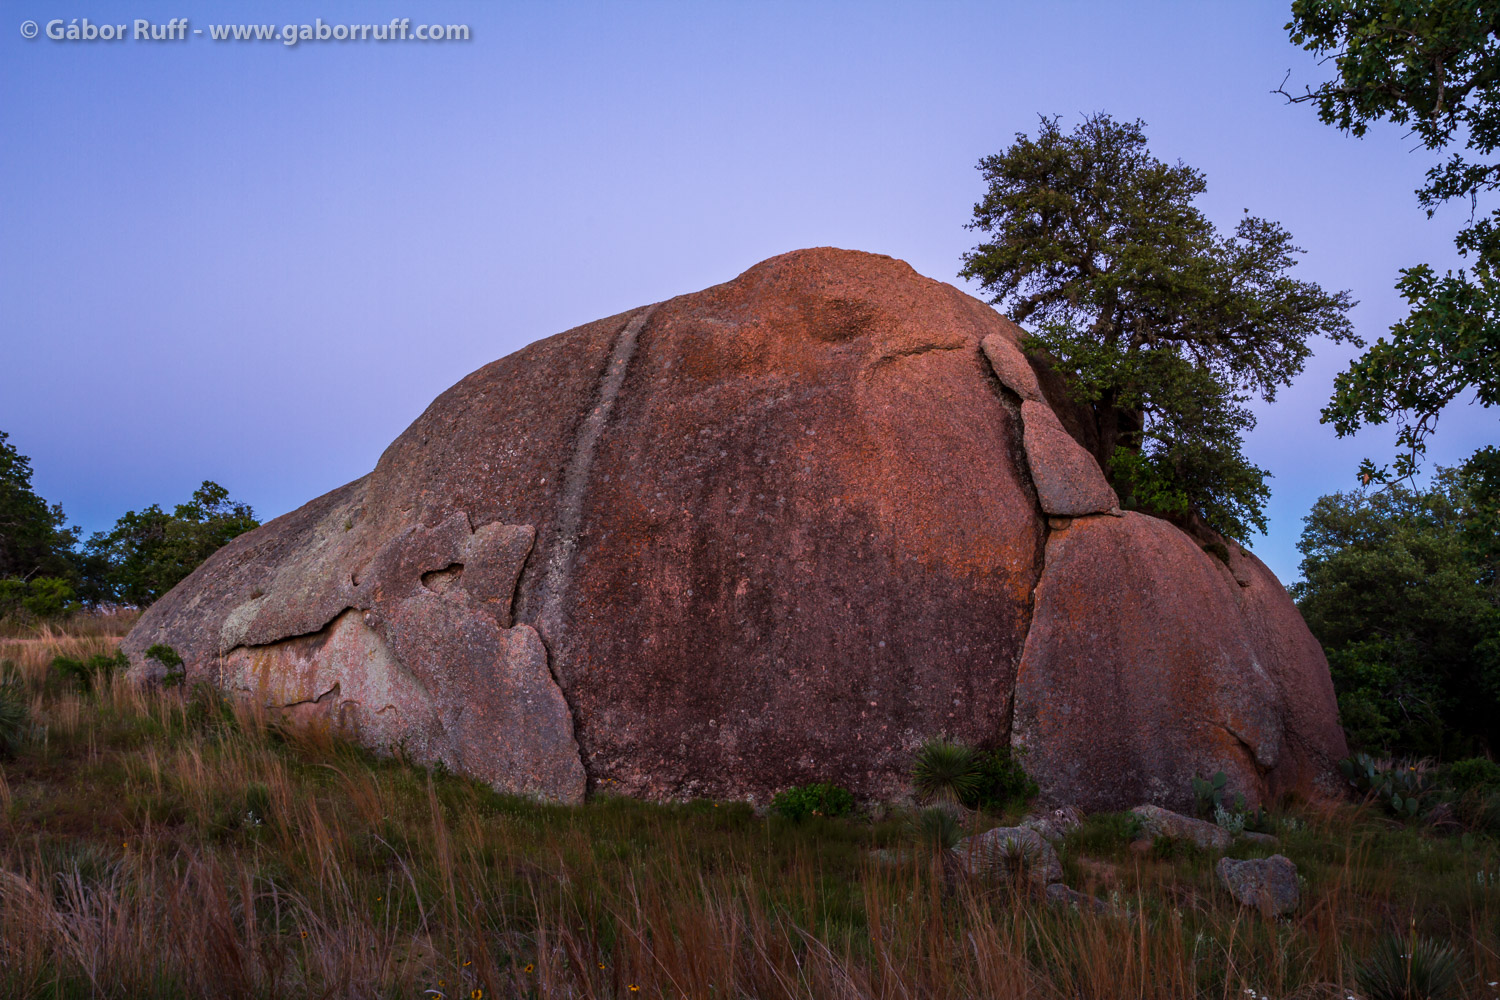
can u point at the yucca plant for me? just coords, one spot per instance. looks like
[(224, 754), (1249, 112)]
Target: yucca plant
[(938, 828), (15, 714), (1408, 967), (945, 771)]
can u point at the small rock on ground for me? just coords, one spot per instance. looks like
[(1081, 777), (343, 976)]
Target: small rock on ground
[(1267, 884)]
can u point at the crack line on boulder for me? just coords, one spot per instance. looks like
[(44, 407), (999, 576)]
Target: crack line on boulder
[(1011, 401), (562, 551)]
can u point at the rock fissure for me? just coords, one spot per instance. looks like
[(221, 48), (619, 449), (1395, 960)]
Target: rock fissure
[(1012, 400)]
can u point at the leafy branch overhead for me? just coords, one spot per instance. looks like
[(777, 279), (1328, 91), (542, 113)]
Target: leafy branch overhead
[(1165, 327), (1432, 67)]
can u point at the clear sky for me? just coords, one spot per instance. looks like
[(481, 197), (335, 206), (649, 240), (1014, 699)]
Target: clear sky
[(257, 263)]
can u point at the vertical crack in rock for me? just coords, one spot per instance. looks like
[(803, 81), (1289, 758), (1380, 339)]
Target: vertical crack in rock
[(558, 568), (1012, 401)]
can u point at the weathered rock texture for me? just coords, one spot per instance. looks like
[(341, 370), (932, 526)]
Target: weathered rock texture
[(1267, 884), (1159, 822), (777, 531)]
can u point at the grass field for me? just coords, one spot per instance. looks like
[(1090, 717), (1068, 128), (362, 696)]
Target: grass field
[(164, 843)]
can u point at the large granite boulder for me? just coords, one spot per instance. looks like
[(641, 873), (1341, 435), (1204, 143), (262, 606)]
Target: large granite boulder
[(778, 531)]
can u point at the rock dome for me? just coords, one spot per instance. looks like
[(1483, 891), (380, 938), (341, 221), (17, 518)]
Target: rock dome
[(781, 530)]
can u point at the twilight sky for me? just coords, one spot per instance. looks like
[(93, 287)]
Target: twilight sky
[(257, 263)]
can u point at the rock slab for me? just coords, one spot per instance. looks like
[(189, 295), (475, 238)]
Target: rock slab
[(1159, 822)]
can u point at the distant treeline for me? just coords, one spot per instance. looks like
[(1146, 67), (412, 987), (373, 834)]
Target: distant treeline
[(48, 570)]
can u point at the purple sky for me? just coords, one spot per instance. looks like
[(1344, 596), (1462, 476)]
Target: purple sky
[(257, 264)]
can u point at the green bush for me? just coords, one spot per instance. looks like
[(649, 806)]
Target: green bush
[(1470, 775), (15, 714), (43, 598), (1210, 795), (948, 771), (1002, 781), (1104, 834), (1409, 968), (84, 672), (801, 801)]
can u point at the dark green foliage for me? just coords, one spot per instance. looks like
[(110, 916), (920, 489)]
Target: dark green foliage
[(1399, 786), (1472, 774), (40, 598), (149, 552), (1165, 326), (168, 658), (1400, 587), (803, 801), (937, 828), (1208, 794), (1002, 781), (946, 771), (1409, 967), (1472, 788), (83, 673), (34, 540), (257, 803), (1432, 69), (15, 713)]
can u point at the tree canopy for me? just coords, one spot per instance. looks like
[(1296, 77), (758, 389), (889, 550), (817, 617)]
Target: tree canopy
[(1164, 327), (34, 537), (44, 571), (147, 553), (1400, 586), (1432, 67)]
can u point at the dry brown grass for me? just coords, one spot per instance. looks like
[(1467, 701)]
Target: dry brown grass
[(165, 844)]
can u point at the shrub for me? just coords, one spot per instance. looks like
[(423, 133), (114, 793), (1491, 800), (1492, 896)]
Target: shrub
[(1409, 968), (1104, 834), (801, 801), (1210, 795), (1002, 781), (1469, 775), (15, 714), (946, 771), (168, 658), (83, 672), (937, 828)]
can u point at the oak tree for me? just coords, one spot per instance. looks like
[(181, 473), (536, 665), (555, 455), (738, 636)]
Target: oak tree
[(1163, 326), (1433, 67)]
